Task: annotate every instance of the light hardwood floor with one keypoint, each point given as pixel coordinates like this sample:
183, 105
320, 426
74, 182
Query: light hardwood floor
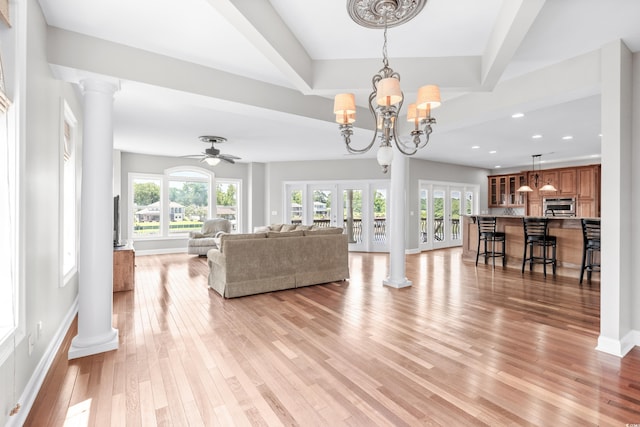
462, 346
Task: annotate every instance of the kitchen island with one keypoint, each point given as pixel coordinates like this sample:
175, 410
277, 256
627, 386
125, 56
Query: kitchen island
568, 231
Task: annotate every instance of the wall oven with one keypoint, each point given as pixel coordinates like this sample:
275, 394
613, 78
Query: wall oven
563, 207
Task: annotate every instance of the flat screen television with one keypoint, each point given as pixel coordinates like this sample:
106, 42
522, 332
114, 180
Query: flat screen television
117, 237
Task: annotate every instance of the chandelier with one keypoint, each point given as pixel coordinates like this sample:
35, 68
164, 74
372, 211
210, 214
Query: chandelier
387, 98
536, 178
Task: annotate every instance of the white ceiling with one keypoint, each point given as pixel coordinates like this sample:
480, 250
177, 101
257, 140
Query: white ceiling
302, 53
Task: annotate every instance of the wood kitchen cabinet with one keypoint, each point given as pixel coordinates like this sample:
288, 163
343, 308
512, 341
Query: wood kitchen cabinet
567, 182
588, 194
502, 190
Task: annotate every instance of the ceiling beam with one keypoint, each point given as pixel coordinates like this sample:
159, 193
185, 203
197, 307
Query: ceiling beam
514, 22
258, 21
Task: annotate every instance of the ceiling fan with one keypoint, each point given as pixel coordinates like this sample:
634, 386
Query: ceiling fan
212, 156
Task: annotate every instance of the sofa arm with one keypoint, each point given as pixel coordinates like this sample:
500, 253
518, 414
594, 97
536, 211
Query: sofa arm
195, 235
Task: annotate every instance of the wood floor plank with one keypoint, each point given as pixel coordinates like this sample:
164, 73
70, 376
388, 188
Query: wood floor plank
461, 346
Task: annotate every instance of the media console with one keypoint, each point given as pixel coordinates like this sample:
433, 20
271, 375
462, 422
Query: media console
124, 262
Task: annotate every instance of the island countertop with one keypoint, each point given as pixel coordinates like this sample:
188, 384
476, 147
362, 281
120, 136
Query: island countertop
568, 231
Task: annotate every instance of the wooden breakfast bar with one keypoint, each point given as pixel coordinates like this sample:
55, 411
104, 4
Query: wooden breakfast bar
568, 231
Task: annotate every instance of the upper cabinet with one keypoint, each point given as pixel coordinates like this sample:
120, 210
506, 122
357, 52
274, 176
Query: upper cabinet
582, 183
502, 190
567, 183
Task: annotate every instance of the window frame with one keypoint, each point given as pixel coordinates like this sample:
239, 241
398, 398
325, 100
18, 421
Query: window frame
238, 183
67, 116
164, 178
169, 175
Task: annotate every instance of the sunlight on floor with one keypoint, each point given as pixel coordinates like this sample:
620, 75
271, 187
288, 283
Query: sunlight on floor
78, 414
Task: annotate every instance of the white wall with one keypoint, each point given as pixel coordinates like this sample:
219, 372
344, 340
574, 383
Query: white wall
45, 300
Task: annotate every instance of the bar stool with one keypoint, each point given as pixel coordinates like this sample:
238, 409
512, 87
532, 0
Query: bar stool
487, 233
591, 244
536, 236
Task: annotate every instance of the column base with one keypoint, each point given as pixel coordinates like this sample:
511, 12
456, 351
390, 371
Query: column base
83, 347
404, 283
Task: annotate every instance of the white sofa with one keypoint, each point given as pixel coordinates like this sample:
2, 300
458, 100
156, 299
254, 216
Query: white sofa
201, 241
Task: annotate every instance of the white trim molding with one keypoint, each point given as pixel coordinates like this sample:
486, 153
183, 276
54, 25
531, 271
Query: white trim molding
35, 382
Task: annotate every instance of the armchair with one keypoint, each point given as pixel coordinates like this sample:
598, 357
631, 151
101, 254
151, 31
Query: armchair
201, 241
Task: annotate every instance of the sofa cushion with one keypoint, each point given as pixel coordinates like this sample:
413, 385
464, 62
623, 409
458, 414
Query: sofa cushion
304, 227
276, 234
323, 231
275, 227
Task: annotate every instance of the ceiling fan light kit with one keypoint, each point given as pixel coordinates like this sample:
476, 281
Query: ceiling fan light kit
212, 156
385, 102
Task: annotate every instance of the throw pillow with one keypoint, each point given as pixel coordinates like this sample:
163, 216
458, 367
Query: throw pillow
323, 231
275, 227
295, 233
304, 227
261, 229
288, 227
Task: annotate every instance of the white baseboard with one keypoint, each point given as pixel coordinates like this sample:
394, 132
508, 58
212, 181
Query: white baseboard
412, 251
619, 347
161, 251
32, 388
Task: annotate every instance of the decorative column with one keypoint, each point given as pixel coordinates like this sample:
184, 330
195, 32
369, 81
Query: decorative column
397, 255
95, 268
619, 221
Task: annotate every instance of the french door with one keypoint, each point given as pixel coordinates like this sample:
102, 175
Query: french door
441, 208
360, 207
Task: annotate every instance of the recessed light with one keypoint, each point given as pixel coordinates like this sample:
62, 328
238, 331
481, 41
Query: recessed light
475, 147
568, 137
497, 167
537, 136
492, 152
517, 115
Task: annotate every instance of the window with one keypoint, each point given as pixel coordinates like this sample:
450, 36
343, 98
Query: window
145, 206
227, 196
178, 201
68, 196
9, 283
188, 201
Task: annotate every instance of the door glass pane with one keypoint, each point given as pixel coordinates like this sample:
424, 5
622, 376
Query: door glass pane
438, 215
455, 214
322, 208
468, 203
380, 216
295, 214
352, 215
424, 206
146, 207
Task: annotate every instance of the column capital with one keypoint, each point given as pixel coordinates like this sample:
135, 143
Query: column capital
106, 86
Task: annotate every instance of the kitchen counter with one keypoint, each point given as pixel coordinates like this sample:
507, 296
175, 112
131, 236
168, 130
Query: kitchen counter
568, 231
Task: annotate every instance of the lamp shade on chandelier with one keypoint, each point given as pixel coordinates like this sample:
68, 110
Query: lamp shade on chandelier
385, 102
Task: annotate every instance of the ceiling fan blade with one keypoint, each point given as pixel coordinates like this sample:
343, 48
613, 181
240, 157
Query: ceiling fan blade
227, 159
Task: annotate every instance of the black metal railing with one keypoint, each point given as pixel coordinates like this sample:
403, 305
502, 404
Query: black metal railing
379, 228
439, 229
